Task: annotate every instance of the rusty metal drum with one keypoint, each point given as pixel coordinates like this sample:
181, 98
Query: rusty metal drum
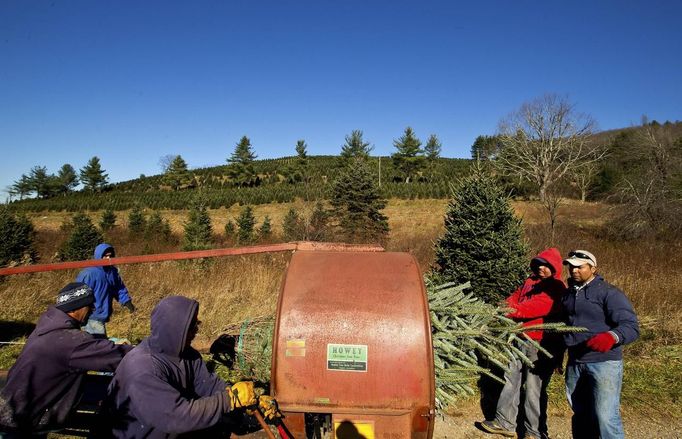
352, 347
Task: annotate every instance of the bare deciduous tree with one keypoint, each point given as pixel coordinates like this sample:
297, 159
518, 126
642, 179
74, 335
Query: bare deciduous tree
651, 200
544, 140
583, 177
165, 162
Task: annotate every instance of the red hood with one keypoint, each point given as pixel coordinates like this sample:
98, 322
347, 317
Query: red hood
552, 256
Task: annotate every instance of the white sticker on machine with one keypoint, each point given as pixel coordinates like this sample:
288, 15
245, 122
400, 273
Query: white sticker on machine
347, 357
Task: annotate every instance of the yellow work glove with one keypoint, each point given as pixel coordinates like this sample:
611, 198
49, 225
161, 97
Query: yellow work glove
268, 406
242, 394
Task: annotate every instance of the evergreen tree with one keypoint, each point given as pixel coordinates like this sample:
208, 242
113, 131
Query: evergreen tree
108, 220
298, 171
16, 238
83, 239
355, 147
22, 187
157, 228
177, 175
483, 240
356, 204
198, 230
136, 220
240, 168
486, 147
67, 179
432, 148
230, 229
318, 226
42, 183
265, 230
93, 176
246, 222
292, 226
408, 160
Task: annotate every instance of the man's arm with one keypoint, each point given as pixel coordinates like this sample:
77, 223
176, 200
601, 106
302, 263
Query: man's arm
621, 315
205, 382
97, 354
122, 294
162, 406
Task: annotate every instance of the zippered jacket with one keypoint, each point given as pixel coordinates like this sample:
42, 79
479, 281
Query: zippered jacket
538, 300
107, 285
599, 307
162, 388
44, 383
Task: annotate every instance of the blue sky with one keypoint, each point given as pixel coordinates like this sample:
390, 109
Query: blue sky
131, 81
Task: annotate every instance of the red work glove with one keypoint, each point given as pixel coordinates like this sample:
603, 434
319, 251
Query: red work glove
601, 342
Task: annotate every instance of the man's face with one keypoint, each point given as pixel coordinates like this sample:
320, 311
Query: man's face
108, 254
544, 272
581, 273
192, 332
82, 314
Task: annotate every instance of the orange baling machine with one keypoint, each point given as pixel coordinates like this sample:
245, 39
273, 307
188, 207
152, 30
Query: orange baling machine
352, 353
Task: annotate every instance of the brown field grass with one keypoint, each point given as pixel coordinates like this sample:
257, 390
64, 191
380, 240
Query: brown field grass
646, 271
235, 288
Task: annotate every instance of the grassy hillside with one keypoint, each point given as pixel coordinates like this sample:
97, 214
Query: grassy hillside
273, 187
232, 289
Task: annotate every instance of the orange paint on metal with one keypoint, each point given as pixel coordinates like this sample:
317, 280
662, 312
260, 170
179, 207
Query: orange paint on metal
368, 352
198, 254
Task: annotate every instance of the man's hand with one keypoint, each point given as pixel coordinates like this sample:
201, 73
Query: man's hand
129, 306
601, 342
242, 394
268, 406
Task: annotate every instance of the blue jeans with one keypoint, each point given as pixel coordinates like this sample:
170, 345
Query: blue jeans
96, 328
536, 380
593, 391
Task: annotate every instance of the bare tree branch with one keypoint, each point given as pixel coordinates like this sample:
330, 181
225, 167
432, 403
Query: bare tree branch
544, 140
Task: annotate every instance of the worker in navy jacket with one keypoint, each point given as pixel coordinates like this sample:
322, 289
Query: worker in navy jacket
163, 389
594, 372
44, 384
536, 300
107, 285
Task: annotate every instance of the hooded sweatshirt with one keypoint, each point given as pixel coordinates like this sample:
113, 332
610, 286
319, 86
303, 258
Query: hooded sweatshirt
162, 388
106, 284
44, 383
538, 298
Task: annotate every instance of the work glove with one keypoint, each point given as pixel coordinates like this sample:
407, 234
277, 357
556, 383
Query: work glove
117, 340
129, 306
268, 406
242, 394
602, 342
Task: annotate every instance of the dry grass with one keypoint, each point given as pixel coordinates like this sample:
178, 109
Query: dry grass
646, 271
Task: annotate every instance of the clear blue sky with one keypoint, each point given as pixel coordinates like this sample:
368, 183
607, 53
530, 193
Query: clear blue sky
131, 81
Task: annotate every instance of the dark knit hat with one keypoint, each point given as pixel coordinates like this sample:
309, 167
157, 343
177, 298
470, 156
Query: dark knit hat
536, 262
75, 295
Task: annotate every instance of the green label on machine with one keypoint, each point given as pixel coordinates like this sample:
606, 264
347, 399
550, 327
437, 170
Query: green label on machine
350, 357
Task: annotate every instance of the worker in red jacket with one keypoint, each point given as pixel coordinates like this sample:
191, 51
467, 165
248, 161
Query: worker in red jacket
538, 299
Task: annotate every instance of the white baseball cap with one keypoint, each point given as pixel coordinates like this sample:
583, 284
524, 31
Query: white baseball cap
580, 257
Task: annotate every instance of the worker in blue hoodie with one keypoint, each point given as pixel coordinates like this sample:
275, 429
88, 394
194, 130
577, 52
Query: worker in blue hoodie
107, 285
162, 388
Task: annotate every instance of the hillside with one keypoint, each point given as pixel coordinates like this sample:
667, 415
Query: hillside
272, 186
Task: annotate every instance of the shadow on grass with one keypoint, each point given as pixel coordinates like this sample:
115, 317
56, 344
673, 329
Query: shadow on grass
11, 330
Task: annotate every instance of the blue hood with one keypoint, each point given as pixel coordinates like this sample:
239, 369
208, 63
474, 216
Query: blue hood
171, 319
101, 248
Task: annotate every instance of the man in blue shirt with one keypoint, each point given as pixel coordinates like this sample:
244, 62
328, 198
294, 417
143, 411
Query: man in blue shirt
107, 285
594, 373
